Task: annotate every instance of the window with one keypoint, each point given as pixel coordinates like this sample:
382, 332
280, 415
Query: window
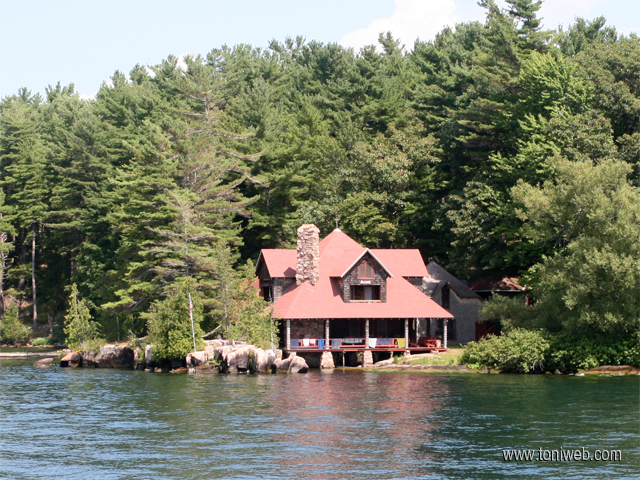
365, 270
365, 292
445, 296
267, 293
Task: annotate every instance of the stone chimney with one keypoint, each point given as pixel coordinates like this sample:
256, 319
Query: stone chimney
308, 249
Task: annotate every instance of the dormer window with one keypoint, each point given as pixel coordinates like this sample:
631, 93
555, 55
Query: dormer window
365, 270
365, 293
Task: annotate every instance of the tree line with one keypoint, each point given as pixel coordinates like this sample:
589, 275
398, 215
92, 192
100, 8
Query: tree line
497, 148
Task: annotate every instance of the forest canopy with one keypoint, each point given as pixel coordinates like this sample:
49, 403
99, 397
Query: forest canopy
497, 148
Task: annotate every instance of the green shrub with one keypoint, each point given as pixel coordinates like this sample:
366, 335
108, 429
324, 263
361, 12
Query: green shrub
170, 325
40, 341
569, 353
519, 350
522, 350
78, 327
12, 330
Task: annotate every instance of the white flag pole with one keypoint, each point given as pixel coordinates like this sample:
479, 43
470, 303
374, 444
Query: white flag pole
193, 330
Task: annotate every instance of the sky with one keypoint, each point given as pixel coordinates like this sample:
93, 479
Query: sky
43, 42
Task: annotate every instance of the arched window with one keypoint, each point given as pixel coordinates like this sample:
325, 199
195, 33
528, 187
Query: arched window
365, 270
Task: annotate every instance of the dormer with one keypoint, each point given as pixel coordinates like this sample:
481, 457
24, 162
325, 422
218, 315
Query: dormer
364, 280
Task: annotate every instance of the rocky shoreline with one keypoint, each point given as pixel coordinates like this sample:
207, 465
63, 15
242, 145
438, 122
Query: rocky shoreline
218, 356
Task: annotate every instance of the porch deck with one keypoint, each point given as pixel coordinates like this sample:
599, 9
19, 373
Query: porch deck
349, 348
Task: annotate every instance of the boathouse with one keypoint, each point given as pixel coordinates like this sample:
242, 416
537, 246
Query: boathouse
337, 296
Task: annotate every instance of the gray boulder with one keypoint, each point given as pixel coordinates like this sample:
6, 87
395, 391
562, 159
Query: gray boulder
45, 362
115, 356
291, 364
196, 359
73, 359
260, 360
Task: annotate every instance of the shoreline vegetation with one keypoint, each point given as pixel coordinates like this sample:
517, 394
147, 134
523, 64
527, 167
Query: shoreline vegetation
497, 149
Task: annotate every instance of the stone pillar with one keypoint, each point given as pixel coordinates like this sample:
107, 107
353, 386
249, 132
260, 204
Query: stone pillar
367, 358
287, 336
308, 254
366, 334
406, 332
444, 334
326, 361
327, 338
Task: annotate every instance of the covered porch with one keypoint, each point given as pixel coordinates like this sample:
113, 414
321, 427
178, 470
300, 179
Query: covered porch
417, 335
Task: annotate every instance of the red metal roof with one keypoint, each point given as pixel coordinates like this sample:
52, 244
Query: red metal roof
280, 263
323, 300
406, 263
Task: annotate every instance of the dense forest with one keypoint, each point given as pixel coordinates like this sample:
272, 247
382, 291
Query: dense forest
497, 148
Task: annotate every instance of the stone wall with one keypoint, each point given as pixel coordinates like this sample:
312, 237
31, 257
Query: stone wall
308, 254
312, 328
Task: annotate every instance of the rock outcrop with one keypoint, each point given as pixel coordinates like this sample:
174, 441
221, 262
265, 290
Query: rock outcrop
260, 360
244, 358
109, 356
73, 359
45, 362
196, 359
291, 364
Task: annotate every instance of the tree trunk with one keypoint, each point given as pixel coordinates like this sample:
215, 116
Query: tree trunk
33, 276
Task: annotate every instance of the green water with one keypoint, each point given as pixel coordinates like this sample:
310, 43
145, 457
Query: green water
107, 424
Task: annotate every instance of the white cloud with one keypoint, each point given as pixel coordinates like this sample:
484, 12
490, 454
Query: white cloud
84, 96
181, 64
410, 20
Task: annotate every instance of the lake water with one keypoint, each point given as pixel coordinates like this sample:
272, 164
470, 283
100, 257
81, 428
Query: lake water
107, 424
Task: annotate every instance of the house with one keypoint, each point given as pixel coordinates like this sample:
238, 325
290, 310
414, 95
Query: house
505, 286
456, 297
336, 297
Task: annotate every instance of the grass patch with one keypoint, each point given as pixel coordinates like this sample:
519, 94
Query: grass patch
449, 358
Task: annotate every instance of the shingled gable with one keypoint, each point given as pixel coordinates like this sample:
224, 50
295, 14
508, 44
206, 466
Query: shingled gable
339, 252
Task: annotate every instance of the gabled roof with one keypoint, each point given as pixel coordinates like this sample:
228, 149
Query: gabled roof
279, 262
497, 284
323, 300
404, 262
339, 252
348, 259
439, 277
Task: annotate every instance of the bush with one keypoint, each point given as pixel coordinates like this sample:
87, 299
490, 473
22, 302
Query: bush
12, 330
570, 353
519, 350
41, 341
78, 327
170, 325
538, 350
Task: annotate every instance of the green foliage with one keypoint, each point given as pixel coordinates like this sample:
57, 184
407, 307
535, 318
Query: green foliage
41, 341
495, 149
12, 330
525, 351
591, 214
169, 323
569, 352
250, 316
519, 350
79, 329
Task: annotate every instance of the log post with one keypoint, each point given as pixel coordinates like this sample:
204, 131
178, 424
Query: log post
406, 332
366, 333
287, 341
327, 340
444, 334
